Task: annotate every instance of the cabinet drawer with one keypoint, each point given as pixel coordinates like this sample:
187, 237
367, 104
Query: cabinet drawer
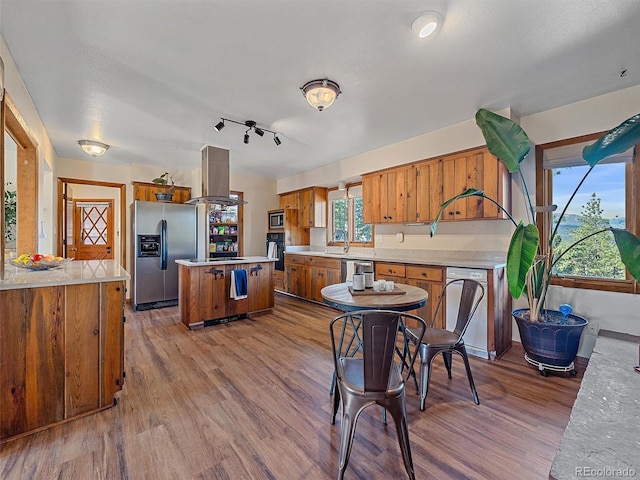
313, 261
432, 274
390, 269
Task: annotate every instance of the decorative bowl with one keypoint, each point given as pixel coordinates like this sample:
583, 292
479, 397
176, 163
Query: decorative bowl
40, 265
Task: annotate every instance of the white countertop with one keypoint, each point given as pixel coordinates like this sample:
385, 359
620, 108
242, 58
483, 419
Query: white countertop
480, 260
205, 262
76, 272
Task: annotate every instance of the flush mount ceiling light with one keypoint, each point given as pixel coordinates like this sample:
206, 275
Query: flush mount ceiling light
426, 24
321, 93
251, 125
93, 148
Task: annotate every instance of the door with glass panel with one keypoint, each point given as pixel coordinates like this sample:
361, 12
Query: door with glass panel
93, 229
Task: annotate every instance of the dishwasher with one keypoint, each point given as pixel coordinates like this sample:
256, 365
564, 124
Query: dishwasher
475, 338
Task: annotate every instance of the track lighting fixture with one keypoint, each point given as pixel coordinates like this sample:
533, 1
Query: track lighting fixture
251, 125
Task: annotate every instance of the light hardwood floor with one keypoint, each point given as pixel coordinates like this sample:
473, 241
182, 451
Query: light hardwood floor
250, 400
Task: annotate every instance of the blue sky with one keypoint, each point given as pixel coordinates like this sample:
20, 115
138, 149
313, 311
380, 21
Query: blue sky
606, 181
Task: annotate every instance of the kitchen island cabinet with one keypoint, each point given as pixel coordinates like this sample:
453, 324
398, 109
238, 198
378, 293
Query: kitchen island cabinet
204, 289
61, 344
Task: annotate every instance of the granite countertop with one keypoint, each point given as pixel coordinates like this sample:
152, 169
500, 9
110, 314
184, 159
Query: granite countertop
75, 272
203, 262
601, 439
483, 260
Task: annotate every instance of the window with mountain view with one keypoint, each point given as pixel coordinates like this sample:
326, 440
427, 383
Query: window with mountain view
599, 204
604, 200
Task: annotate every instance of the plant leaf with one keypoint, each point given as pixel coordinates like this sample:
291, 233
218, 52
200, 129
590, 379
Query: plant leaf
616, 140
521, 255
505, 138
629, 248
469, 192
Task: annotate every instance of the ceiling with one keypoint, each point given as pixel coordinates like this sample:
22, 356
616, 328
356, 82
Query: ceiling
152, 78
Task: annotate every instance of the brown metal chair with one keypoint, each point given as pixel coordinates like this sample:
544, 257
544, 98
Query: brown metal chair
373, 359
440, 340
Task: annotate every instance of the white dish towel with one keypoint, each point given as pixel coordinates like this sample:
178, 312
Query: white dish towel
351, 268
271, 251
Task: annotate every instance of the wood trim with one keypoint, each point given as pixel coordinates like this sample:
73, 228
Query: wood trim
96, 183
27, 177
2, 106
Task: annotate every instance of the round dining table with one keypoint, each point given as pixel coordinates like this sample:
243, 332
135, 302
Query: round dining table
339, 296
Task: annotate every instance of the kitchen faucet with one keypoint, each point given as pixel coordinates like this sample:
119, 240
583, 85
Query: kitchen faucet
345, 249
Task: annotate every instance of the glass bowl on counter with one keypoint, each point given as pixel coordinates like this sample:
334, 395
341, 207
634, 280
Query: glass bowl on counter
43, 264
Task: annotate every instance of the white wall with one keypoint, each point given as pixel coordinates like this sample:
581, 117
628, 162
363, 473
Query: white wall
611, 311
16, 90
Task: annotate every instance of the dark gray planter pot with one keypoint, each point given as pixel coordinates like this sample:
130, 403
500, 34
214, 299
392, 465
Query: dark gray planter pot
164, 197
550, 341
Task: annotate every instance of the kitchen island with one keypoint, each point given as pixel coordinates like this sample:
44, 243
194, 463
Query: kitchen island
204, 287
61, 343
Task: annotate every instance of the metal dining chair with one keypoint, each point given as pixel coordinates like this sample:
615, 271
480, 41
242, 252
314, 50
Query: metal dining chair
447, 342
373, 358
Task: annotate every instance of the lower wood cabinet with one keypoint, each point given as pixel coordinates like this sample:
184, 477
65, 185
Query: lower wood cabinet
204, 292
61, 353
307, 275
429, 278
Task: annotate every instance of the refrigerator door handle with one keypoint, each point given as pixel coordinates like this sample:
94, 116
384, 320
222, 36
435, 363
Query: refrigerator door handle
163, 245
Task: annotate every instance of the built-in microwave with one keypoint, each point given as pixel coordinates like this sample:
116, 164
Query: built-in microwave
276, 219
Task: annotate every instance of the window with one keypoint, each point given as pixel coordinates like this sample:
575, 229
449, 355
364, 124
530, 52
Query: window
345, 218
603, 200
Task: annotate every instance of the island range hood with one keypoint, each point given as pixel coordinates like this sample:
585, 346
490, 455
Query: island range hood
215, 178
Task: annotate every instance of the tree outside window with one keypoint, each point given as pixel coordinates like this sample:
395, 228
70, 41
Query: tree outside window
346, 219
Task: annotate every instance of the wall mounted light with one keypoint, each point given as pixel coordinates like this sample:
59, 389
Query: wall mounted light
426, 24
341, 185
93, 148
251, 125
321, 93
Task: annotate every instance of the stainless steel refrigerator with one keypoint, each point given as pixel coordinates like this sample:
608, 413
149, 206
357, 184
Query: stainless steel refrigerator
162, 233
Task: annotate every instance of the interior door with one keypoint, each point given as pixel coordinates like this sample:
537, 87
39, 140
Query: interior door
93, 230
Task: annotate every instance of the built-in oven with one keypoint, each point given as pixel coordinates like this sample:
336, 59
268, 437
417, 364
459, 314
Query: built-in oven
275, 249
276, 219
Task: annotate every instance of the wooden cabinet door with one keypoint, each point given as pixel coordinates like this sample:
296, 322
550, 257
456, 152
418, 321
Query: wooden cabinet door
82, 348
289, 200
434, 289
428, 187
296, 280
317, 281
394, 196
260, 286
111, 339
32, 377
371, 199
214, 293
235, 306
305, 208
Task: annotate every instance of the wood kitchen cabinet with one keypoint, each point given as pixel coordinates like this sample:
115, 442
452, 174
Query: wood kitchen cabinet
146, 191
307, 275
311, 204
414, 193
441, 179
61, 353
204, 292
429, 278
387, 196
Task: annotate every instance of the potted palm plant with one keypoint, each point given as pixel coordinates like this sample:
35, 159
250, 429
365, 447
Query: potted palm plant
548, 337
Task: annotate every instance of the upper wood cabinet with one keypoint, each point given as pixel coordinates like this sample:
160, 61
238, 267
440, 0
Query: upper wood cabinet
146, 191
387, 196
414, 193
289, 201
311, 204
